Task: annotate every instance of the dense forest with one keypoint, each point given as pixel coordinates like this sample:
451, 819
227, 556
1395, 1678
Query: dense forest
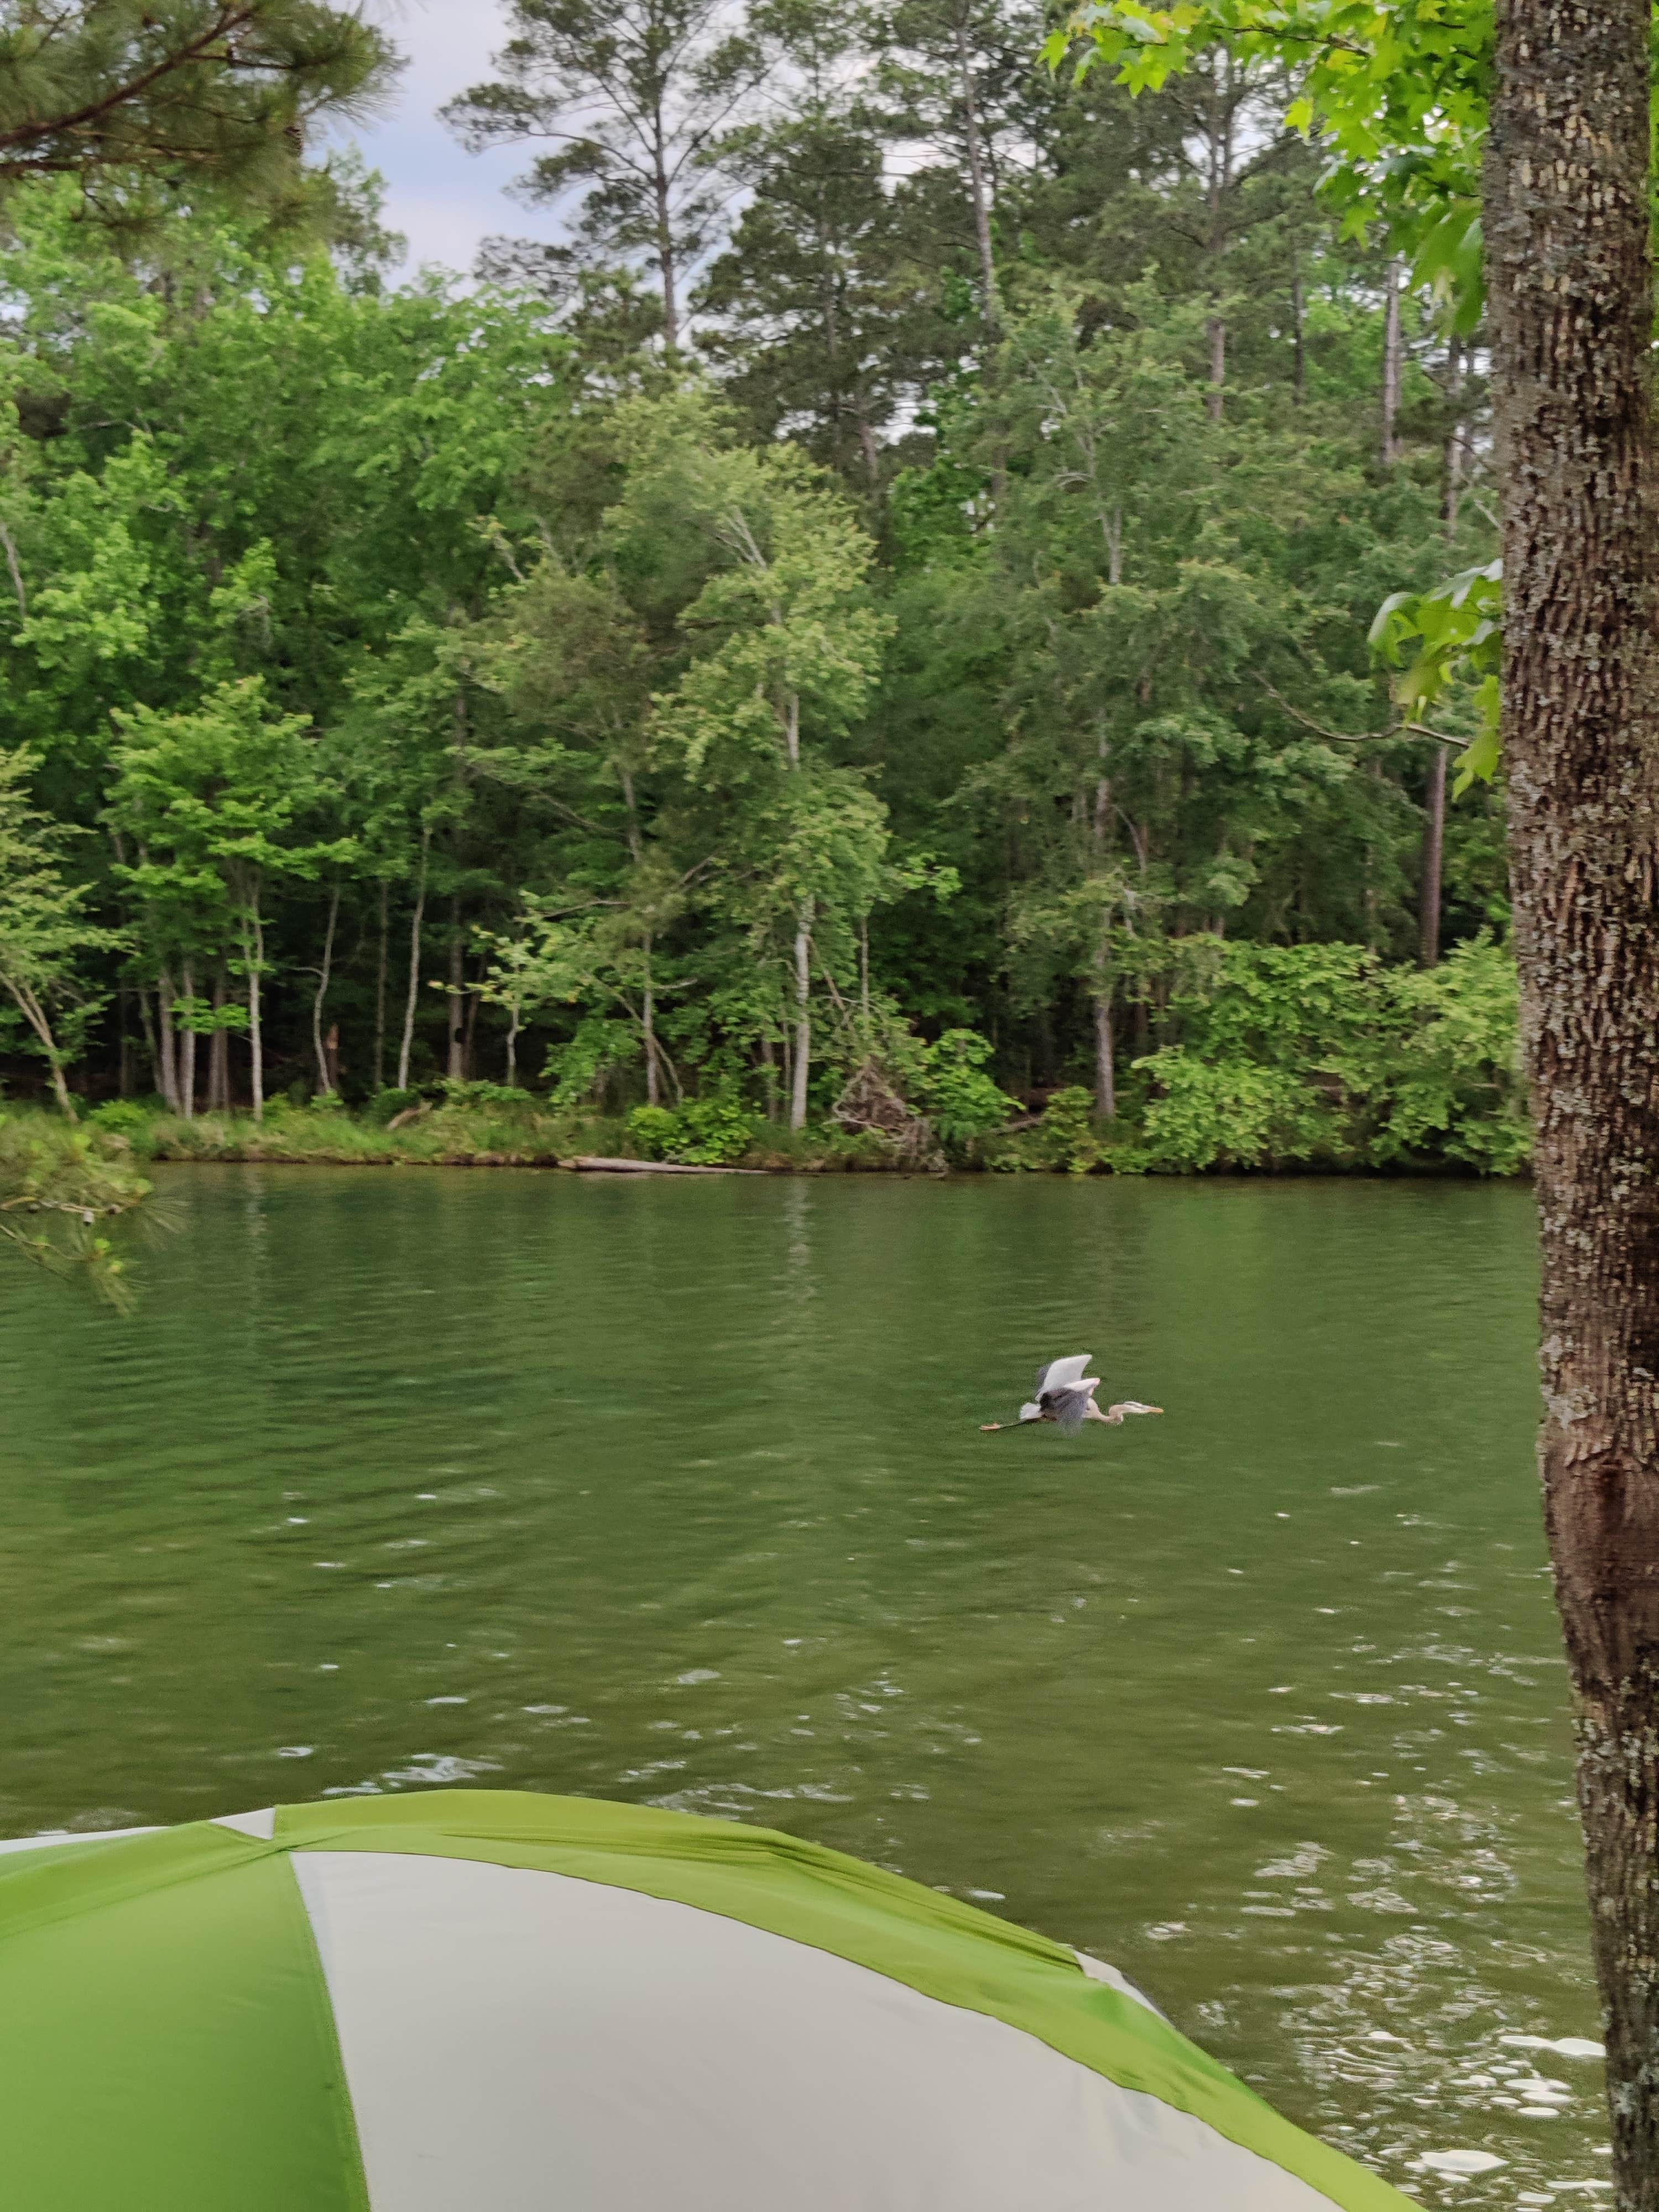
876, 625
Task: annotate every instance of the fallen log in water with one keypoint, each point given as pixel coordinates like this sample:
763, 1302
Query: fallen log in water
592, 1166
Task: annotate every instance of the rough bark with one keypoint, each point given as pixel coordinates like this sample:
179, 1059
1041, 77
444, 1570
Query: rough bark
1567, 231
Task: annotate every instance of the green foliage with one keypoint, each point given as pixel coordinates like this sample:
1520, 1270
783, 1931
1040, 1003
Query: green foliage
130, 97
466, 1095
66, 1196
1321, 1055
386, 1105
653, 1129
127, 1119
711, 1131
1451, 635
1066, 1141
956, 1095
960, 659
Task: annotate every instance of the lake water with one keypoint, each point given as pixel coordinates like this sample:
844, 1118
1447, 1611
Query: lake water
673, 1491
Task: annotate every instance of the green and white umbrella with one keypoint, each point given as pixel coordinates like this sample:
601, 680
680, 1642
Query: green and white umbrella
481, 2001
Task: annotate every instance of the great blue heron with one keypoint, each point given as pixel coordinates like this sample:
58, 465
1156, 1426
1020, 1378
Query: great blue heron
1066, 1395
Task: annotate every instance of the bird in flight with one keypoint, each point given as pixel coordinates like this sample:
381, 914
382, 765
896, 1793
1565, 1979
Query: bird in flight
1066, 1395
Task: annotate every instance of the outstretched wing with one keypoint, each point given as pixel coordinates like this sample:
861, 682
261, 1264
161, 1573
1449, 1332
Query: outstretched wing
1062, 1374
1071, 1407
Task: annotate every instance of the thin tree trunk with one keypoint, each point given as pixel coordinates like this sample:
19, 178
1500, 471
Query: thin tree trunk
455, 1064
1299, 338
1434, 841
803, 1056
979, 182
1215, 403
408, 1040
513, 1044
35, 1015
469, 1035
1219, 182
166, 1058
379, 986
151, 1046
648, 1023
665, 255
1105, 1058
123, 1078
871, 451
218, 1098
1452, 482
1430, 897
1393, 362
187, 1046
255, 942
325, 1077
1567, 231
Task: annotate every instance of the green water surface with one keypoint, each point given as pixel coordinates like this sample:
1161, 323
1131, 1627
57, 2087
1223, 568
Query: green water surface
673, 1490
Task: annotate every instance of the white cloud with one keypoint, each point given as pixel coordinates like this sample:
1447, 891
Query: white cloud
443, 199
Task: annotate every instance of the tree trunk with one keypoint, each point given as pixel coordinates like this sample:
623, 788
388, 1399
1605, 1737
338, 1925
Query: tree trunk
803, 1055
671, 305
166, 1058
35, 1014
407, 1041
325, 1077
218, 1098
1215, 405
1394, 363
455, 1063
1299, 340
1452, 482
648, 1023
187, 1046
1105, 1057
1434, 842
513, 1044
979, 181
1567, 221
150, 1045
379, 987
254, 942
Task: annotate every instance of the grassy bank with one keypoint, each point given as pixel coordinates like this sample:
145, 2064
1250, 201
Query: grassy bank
489, 1132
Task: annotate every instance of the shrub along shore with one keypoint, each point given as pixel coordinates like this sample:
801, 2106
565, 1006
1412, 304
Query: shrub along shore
1316, 1058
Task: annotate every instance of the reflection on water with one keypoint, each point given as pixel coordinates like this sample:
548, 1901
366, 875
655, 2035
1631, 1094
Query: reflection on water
674, 1490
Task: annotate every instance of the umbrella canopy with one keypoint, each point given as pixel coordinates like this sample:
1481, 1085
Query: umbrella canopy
475, 2001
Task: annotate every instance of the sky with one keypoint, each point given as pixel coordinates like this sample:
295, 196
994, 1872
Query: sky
443, 200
